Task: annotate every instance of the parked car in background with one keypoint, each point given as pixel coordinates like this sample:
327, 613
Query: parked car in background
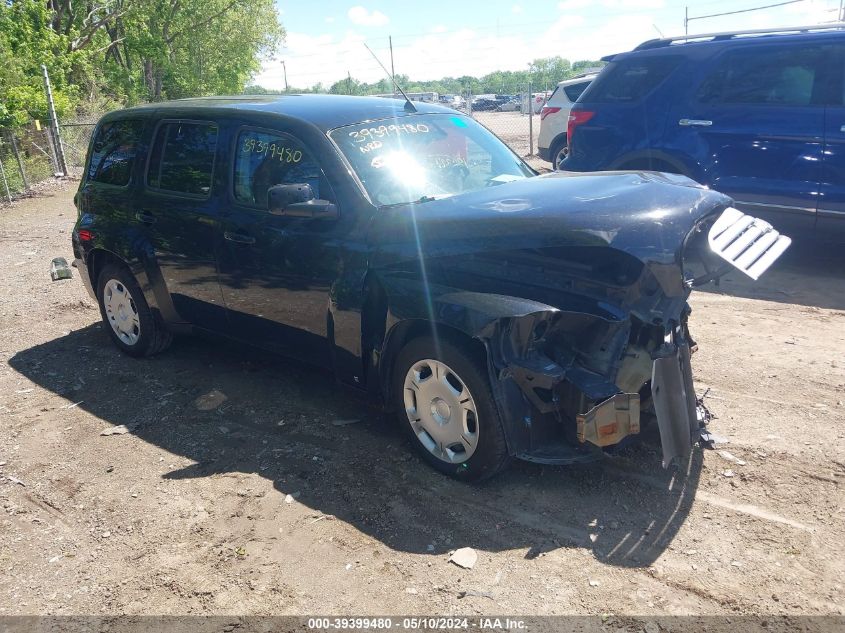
409, 251
453, 101
534, 102
757, 115
554, 116
508, 103
485, 104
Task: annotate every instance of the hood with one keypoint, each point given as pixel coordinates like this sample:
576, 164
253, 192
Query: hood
645, 215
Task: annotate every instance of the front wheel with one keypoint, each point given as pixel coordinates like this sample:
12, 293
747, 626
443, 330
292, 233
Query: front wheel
446, 407
130, 322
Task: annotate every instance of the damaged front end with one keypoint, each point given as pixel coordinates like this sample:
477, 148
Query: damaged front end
577, 285
581, 381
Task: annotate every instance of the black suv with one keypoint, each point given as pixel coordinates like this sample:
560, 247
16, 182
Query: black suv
409, 250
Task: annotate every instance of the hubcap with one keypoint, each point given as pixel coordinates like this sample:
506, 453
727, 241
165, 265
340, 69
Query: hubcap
441, 411
121, 312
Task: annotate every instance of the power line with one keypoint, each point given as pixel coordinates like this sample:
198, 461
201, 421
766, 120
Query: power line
688, 19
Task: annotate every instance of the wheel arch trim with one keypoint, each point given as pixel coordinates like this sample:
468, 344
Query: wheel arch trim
658, 155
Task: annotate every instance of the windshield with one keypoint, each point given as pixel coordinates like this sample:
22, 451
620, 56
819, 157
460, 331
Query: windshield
427, 156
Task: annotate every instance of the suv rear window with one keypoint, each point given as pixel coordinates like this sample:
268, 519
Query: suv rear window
774, 76
113, 152
182, 159
631, 79
574, 91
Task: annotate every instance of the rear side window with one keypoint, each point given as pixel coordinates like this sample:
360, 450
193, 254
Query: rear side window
773, 76
265, 159
182, 158
574, 91
631, 79
113, 152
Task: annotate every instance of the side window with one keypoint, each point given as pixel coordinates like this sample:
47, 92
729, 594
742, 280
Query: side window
182, 158
574, 91
264, 159
113, 152
631, 79
774, 76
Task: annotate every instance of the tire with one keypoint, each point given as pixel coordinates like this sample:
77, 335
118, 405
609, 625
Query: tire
557, 148
128, 319
470, 412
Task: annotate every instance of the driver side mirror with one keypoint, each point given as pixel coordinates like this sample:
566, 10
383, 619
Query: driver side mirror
298, 201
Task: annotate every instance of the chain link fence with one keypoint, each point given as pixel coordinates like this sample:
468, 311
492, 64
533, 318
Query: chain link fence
511, 114
28, 155
26, 159
76, 134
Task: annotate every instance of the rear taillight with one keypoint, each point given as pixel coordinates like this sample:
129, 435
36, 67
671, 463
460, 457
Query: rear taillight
547, 110
85, 235
576, 118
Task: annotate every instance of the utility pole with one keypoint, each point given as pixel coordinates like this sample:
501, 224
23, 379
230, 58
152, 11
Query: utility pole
842, 10
348, 82
686, 20
285, 69
392, 71
54, 124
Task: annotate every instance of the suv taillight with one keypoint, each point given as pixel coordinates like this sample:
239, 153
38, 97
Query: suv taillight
547, 110
576, 118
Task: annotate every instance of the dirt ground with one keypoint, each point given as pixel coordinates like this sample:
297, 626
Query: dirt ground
251, 485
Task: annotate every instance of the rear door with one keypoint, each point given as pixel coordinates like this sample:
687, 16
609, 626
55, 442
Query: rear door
108, 193
179, 211
755, 125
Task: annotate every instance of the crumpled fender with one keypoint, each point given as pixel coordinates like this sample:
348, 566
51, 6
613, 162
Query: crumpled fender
511, 329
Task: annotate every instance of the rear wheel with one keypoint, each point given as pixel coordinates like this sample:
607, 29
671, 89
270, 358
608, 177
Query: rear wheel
558, 153
130, 322
446, 407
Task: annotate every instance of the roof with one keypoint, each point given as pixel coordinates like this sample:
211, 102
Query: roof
773, 35
728, 35
324, 111
579, 78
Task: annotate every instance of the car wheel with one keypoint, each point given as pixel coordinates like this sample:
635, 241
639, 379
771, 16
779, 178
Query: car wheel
558, 154
446, 406
130, 322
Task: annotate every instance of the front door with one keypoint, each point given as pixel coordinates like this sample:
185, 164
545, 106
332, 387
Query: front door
830, 223
276, 272
756, 124
179, 210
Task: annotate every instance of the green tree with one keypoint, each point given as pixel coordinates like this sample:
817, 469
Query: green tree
124, 51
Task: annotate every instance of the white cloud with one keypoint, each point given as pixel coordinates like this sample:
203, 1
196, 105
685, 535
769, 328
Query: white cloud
516, 9
329, 19
360, 16
441, 52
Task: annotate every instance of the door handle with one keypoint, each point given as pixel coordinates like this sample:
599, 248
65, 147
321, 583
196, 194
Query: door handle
842, 129
695, 122
238, 238
145, 218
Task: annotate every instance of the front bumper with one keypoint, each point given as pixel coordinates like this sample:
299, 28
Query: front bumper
674, 398
586, 412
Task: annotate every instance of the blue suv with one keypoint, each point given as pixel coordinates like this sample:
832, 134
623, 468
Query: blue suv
757, 115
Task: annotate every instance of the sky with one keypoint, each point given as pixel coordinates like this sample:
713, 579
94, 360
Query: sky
438, 38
